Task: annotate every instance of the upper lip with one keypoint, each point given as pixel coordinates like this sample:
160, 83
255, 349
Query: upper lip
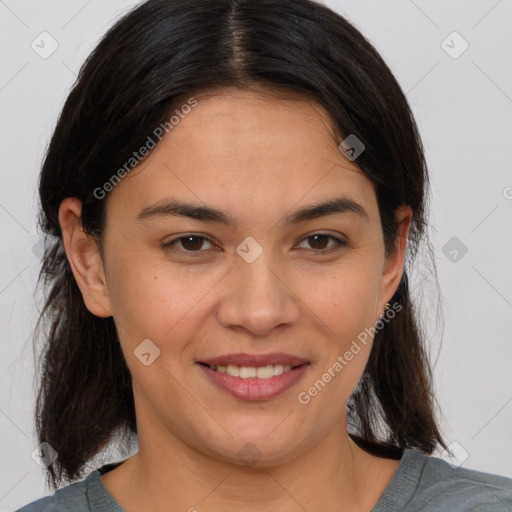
256, 360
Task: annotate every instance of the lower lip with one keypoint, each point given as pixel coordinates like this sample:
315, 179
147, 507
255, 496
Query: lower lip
253, 388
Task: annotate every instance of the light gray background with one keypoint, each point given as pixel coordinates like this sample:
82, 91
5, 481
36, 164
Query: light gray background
464, 110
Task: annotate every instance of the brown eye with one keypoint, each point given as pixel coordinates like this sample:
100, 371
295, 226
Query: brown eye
192, 243
319, 242
189, 243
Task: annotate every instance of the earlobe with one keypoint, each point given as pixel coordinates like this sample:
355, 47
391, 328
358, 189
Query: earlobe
394, 264
84, 258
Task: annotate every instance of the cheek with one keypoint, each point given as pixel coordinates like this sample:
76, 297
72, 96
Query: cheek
343, 303
151, 299
344, 297
345, 312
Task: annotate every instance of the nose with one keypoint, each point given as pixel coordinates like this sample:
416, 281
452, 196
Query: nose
257, 297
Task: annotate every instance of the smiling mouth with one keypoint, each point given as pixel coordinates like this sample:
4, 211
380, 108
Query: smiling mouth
252, 383
251, 372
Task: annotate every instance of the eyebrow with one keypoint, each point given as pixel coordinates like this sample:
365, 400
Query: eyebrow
172, 207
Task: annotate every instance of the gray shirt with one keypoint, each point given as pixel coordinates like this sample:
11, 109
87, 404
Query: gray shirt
421, 483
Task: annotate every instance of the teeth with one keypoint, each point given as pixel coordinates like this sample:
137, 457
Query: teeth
232, 370
246, 372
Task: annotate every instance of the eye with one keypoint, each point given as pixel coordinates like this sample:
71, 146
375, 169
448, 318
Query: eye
193, 243
318, 242
189, 242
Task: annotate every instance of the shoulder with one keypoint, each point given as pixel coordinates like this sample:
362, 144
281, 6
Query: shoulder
442, 486
71, 497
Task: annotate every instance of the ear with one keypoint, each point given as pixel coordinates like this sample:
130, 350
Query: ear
84, 258
394, 265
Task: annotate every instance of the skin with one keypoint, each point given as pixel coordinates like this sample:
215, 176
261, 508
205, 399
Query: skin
258, 158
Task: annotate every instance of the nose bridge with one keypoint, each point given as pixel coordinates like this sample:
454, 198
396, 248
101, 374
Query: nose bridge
257, 281
258, 299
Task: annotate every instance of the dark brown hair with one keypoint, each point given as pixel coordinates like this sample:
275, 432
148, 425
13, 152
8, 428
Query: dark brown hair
156, 54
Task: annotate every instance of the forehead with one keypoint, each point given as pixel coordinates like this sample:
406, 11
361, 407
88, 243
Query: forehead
248, 151
244, 123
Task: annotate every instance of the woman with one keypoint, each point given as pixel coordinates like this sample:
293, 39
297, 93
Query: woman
234, 194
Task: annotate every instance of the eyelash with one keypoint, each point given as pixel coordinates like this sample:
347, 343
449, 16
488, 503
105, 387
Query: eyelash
340, 243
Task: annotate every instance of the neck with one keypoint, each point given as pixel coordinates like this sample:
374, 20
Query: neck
335, 474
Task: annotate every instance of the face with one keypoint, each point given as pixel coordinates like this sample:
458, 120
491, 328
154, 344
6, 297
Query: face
249, 267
